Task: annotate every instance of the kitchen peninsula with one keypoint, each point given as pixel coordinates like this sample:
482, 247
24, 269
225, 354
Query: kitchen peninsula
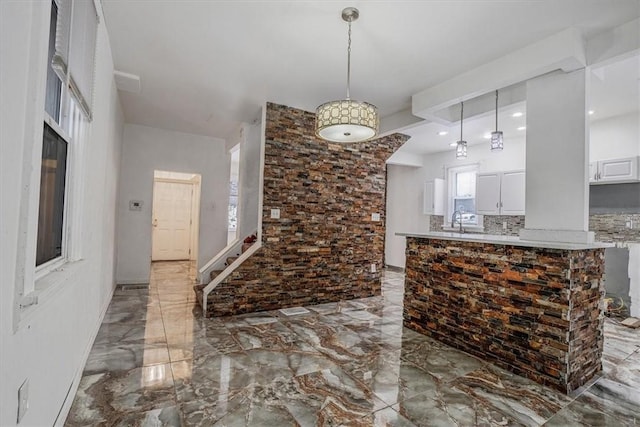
533, 308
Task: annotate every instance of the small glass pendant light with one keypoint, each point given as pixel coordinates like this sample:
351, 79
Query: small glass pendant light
497, 142
461, 145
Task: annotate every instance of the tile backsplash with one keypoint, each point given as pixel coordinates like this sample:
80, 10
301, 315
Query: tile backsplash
615, 227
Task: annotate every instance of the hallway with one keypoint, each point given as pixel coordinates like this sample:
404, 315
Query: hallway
157, 362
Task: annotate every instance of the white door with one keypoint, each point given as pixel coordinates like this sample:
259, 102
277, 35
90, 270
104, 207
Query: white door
171, 220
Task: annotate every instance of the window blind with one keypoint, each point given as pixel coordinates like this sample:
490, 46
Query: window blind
74, 58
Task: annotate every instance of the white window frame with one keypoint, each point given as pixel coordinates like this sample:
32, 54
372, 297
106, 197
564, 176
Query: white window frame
450, 173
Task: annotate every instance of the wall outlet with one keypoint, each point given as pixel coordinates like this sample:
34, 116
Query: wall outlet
135, 205
275, 213
504, 225
375, 217
373, 268
23, 399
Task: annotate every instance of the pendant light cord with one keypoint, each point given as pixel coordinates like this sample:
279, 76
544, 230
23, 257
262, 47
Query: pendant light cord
496, 111
349, 64
461, 117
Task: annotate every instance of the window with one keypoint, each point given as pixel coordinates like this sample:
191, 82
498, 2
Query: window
462, 195
68, 101
52, 191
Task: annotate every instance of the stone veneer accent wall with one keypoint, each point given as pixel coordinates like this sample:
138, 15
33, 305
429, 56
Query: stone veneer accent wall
321, 248
533, 311
612, 227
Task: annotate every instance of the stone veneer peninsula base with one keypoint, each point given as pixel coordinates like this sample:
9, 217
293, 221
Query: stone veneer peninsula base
535, 311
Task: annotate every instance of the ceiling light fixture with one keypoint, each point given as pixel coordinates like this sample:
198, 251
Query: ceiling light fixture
517, 114
461, 145
453, 144
522, 128
347, 120
591, 112
443, 133
497, 140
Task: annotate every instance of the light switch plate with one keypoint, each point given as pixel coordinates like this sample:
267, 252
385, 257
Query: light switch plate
275, 213
23, 400
375, 217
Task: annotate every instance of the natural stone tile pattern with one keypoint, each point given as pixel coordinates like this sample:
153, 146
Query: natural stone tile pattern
533, 311
612, 227
435, 222
494, 224
321, 248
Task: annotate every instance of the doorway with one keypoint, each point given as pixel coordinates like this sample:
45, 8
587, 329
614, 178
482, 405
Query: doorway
175, 216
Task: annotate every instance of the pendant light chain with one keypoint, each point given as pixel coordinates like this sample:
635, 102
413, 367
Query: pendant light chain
349, 64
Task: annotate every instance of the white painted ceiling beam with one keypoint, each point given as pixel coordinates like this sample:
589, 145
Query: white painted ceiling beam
615, 44
405, 158
562, 51
402, 120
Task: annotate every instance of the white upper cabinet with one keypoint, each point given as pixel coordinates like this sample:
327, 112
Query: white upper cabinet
500, 193
614, 171
512, 193
433, 202
488, 194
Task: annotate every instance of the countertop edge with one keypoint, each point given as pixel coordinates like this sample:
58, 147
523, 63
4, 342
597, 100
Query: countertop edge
506, 240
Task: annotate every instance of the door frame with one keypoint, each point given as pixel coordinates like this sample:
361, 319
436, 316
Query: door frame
195, 183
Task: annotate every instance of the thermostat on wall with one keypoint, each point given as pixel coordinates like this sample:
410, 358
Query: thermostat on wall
135, 205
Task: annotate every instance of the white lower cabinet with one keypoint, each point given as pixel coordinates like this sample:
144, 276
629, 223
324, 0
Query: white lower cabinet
500, 193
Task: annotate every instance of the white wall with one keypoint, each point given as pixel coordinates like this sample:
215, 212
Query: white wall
404, 210
147, 149
405, 187
50, 345
249, 179
615, 137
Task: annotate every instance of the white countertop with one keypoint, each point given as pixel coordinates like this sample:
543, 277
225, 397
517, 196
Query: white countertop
505, 240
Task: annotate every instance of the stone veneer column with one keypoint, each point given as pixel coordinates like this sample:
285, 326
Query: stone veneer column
557, 159
321, 248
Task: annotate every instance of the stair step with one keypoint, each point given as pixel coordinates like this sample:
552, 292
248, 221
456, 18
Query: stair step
214, 274
231, 259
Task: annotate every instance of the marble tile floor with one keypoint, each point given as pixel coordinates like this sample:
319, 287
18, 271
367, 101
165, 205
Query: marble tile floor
157, 362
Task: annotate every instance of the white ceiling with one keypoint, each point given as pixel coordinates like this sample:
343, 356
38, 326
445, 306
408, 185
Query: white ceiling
206, 66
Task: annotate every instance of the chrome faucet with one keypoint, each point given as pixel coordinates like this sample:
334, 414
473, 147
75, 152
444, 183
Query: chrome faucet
453, 220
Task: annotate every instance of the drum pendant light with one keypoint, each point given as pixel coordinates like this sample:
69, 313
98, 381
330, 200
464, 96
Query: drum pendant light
347, 120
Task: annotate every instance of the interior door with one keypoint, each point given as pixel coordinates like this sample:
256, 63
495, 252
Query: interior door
171, 234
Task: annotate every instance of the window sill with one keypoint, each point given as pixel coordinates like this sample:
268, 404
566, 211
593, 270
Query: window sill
45, 288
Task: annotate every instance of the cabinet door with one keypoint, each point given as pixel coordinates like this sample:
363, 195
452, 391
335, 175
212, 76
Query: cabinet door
512, 192
433, 202
618, 170
488, 194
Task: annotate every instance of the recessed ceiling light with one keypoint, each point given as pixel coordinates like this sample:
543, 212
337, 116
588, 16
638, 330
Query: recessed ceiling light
443, 133
487, 135
517, 114
591, 112
522, 128
453, 144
